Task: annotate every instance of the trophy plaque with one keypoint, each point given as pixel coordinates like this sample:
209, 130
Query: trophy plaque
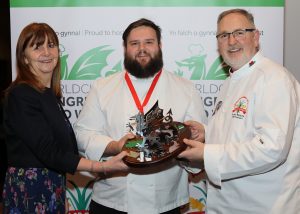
158, 138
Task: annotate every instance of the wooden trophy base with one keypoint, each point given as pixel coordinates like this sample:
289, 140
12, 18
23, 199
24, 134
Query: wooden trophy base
161, 144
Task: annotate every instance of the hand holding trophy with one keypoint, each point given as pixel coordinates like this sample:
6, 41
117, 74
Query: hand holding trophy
158, 138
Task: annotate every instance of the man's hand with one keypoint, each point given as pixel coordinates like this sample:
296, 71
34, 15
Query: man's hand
197, 129
193, 153
115, 147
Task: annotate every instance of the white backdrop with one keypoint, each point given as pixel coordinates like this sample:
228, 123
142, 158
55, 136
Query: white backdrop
90, 35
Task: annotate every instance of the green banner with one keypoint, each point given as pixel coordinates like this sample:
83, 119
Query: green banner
146, 3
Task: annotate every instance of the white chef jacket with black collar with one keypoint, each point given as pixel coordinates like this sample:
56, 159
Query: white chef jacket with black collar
103, 118
252, 156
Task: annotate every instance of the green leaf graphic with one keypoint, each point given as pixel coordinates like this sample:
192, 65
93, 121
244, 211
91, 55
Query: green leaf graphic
81, 201
90, 64
196, 64
64, 67
218, 70
178, 72
115, 69
201, 190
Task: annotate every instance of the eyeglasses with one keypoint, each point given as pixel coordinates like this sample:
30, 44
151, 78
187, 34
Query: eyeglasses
237, 34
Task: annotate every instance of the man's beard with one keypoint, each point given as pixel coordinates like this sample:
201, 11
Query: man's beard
149, 70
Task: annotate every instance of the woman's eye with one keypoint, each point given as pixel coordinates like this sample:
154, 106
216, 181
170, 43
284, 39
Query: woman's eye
51, 45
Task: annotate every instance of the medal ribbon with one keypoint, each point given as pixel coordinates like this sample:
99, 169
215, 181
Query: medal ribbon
148, 95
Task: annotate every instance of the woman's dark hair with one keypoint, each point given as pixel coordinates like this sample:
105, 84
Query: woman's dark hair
35, 34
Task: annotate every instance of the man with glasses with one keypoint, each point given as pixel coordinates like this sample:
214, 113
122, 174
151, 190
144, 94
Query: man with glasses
251, 153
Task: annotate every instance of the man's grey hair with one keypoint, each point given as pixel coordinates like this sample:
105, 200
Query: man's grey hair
243, 12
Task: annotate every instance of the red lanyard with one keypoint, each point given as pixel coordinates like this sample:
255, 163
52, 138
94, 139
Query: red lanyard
148, 95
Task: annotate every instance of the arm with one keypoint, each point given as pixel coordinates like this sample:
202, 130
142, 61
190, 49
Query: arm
26, 118
268, 142
195, 109
30, 130
194, 152
95, 125
92, 139
114, 164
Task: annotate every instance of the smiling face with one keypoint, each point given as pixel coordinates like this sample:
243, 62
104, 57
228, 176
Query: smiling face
143, 57
237, 52
41, 58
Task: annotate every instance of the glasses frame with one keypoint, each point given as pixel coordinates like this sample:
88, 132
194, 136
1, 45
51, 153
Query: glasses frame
233, 33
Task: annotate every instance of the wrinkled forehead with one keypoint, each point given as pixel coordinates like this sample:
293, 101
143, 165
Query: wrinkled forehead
232, 22
142, 33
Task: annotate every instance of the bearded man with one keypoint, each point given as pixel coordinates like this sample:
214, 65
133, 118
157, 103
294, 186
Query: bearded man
103, 123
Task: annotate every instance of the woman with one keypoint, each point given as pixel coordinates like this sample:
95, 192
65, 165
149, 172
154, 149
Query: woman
41, 145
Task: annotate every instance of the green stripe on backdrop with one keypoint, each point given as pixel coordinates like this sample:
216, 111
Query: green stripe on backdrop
145, 3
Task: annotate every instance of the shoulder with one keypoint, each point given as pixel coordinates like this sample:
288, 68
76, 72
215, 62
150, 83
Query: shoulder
27, 95
23, 91
111, 80
177, 84
270, 75
21, 97
178, 80
22, 88
273, 72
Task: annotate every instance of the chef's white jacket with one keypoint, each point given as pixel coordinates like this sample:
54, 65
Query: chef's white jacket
106, 112
252, 156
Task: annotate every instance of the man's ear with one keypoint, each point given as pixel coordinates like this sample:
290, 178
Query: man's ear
256, 38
